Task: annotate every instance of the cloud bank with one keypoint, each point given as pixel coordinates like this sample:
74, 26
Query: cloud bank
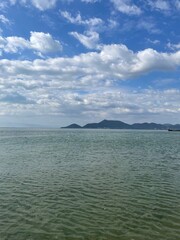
85, 85
114, 61
39, 42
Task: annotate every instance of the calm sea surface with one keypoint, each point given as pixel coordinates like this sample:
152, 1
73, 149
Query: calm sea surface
89, 184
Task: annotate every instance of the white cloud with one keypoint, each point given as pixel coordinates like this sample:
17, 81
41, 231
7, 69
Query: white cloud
126, 7
39, 42
112, 62
150, 60
44, 43
148, 25
4, 20
145, 105
89, 39
173, 46
44, 4
112, 24
91, 22
84, 86
39, 4
14, 44
160, 5
155, 42
3, 5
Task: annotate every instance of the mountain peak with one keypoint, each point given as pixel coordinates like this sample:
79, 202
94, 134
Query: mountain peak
74, 125
115, 124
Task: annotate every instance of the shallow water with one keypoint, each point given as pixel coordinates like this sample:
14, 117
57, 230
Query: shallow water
89, 184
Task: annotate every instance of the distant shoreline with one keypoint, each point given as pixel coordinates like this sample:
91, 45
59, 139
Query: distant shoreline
115, 124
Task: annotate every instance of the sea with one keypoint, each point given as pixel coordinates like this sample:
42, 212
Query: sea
65, 184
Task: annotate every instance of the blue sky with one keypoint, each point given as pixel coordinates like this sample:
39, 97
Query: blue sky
65, 61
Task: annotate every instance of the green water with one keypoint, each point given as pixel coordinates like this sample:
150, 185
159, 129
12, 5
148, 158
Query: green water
89, 184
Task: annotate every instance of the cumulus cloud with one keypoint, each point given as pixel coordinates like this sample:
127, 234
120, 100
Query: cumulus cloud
147, 104
84, 86
44, 42
13, 44
89, 39
126, 7
111, 62
119, 102
39, 42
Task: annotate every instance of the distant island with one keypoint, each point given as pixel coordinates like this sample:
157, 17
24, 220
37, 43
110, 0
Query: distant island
114, 124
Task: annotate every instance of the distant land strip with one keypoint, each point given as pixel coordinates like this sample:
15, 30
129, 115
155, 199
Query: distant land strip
114, 124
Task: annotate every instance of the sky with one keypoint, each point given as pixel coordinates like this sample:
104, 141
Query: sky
66, 61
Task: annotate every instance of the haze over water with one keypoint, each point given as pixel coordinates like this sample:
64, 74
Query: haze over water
89, 184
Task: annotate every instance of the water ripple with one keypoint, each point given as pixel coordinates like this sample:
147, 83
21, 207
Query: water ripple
89, 185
